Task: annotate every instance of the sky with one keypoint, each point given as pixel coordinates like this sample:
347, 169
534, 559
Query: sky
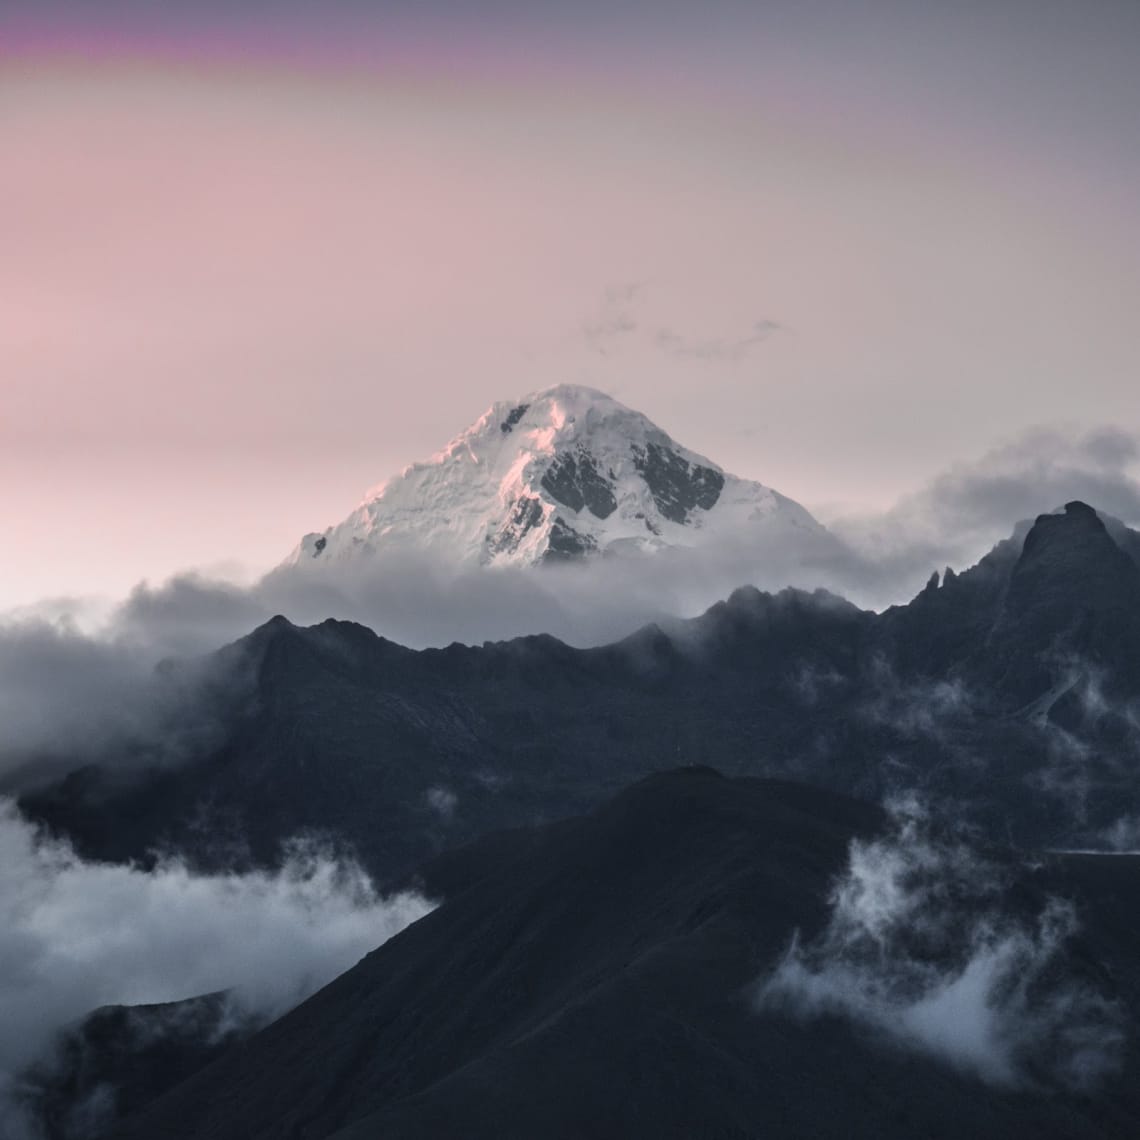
256, 257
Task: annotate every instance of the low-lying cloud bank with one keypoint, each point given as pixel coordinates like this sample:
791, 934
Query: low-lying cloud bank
925, 950
75, 936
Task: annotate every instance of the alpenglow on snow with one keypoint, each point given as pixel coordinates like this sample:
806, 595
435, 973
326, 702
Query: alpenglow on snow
562, 474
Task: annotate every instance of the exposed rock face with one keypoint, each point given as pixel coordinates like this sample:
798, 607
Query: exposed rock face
566, 544
677, 485
1070, 559
574, 481
1073, 603
513, 417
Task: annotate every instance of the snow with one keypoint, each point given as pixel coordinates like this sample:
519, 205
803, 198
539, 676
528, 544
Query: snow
460, 503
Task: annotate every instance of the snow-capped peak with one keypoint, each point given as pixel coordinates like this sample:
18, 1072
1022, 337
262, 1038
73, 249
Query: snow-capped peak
563, 473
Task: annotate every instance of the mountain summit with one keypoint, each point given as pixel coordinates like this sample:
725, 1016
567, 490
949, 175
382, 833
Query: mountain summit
561, 474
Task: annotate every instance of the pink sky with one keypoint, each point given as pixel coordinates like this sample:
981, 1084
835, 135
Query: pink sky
243, 281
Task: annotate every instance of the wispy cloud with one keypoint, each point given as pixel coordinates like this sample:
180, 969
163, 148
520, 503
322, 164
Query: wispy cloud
615, 318
715, 348
621, 318
926, 949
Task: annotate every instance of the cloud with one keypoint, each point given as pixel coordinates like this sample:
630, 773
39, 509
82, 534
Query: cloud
68, 698
926, 950
77, 935
915, 708
964, 511
614, 319
189, 609
1123, 835
443, 801
1085, 740
715, 348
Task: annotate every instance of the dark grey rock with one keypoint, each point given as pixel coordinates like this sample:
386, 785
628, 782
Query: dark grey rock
567, 544
574, 481
676, 485
513, 417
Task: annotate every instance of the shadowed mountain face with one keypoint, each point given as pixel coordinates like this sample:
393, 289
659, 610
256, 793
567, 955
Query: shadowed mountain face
121, 1057
1008, 694
1068, 589
606, 977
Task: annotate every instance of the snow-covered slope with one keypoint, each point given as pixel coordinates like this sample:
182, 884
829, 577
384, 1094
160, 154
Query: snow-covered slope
562, 474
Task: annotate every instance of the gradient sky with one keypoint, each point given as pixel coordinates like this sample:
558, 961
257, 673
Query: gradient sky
255, 257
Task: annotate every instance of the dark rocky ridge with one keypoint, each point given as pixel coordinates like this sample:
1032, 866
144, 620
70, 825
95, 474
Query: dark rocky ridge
984, 702
1073, 593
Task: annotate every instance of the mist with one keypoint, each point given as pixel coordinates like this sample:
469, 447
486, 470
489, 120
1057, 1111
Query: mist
929, 949
76, 935
68, 698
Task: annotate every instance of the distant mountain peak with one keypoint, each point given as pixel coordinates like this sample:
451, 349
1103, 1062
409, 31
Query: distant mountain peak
1072, 548
1072, 601
563, 473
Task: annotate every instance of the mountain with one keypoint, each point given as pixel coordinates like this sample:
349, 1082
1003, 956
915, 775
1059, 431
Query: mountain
119, 1058
1018, 716
1061, 599
603, 977
561, 474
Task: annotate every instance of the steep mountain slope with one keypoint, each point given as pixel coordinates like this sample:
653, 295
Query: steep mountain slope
563, 473
598, 978
1018, 715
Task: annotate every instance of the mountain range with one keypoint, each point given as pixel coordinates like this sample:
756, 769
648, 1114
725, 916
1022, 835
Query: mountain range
1007, 693
790, 867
